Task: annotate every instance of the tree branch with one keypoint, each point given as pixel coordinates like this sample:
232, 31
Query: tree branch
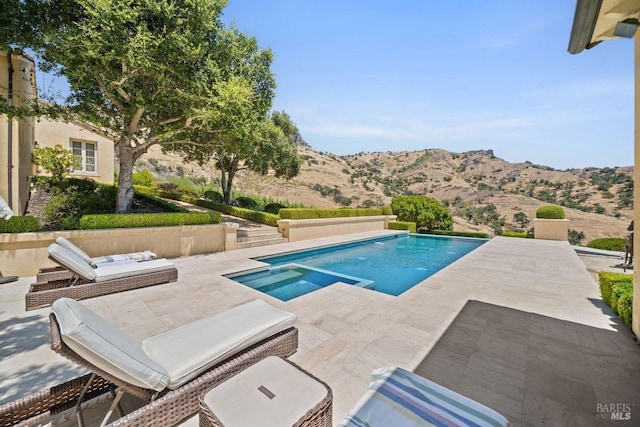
107, 92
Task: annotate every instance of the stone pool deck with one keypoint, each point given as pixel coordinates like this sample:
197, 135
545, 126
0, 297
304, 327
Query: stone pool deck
517, 324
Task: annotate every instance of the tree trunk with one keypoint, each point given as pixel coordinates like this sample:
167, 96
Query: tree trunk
228, 168
125, 194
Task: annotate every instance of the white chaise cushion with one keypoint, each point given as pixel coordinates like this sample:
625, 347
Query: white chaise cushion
107, 347
71, 261
191, 349
119, 270
66, 243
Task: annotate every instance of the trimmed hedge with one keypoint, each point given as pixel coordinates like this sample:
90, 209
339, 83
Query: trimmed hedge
617, 291
386, 210
251, 215
95, 222
273, 208
608, 244
454, 233
19, 224
521, 234
550, 212
291, 213
399, 225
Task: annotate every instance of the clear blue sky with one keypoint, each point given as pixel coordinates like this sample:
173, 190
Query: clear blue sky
382, 75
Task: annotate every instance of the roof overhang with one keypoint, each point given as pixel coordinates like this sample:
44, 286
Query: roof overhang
595, 21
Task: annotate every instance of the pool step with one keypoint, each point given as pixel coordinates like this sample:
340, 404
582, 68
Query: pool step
248, 238
270, 279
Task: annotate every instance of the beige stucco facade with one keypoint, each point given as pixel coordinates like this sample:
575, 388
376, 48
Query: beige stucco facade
49, 133
304, 229
22, 254
594, 22
17, 86
551, 229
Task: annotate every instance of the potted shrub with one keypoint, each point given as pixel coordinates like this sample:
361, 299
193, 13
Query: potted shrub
550, 223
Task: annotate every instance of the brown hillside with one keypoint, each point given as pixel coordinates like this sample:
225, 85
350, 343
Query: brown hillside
597, 201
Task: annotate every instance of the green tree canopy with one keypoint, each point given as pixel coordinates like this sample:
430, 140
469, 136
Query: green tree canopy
149, 72
424, 211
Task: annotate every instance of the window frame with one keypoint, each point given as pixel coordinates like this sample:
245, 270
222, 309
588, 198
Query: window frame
83, 156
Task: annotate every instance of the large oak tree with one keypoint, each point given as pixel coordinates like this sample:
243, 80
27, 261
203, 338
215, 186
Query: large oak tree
149, 72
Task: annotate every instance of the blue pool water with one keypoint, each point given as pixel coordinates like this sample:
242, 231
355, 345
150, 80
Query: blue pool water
390, 265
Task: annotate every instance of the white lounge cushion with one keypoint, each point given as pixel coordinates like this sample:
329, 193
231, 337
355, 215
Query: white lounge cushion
71, 261
191, 349
66, 243
118, 270
106, 346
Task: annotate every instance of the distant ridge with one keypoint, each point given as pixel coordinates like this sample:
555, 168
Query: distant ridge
482, 190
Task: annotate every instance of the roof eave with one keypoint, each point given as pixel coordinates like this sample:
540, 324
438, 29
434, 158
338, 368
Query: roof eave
584, 22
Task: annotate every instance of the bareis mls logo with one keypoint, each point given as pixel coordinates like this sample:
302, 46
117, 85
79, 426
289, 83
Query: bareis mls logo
613, 411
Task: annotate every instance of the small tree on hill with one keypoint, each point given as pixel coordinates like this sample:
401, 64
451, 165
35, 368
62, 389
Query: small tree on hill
521, 219
424, 211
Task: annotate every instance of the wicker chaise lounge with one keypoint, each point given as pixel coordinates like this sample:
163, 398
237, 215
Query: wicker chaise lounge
169, 370
49, 274
88, 282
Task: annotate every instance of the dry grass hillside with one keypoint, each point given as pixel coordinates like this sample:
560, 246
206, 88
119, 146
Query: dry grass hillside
481, 190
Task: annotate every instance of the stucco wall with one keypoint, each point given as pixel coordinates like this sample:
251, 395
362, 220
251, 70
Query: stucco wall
551, 229
304, 229
22, 254
49, 133
16, 136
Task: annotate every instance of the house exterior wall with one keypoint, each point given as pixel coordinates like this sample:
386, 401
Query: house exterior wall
636, 193
50, 133
16, 135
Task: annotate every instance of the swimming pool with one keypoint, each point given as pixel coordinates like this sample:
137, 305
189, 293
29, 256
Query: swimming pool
390, 265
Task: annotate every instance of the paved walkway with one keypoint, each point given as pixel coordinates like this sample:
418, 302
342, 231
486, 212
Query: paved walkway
346, 332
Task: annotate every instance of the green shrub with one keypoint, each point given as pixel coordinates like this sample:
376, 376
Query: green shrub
550, 212
617, 291
521, 234
167, 186
144, 177
64, 210
624, 295
424, 211
19, 224
92, 222
173, 195
399, 225
58, 161
145, 190
247, 202
273, 208
454, 233
214, 196
310, 213
251, 215
185, 186
386, 210
608, 244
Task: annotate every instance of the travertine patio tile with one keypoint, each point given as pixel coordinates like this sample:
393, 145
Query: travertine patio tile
346, 332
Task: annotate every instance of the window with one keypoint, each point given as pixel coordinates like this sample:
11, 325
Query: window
85, 153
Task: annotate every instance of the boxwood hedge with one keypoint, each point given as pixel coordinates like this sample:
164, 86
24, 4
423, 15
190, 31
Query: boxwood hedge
400, 225
93, 222
550, 212
291, 213
617, 291
19, 224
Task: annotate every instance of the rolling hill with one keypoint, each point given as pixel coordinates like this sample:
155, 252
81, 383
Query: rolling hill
481, 190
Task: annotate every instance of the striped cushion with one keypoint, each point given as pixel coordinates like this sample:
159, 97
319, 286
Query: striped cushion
401, 398
134, 256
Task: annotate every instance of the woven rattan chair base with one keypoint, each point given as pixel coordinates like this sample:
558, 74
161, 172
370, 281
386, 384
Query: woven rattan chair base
52, 274
44, 294
45, 404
